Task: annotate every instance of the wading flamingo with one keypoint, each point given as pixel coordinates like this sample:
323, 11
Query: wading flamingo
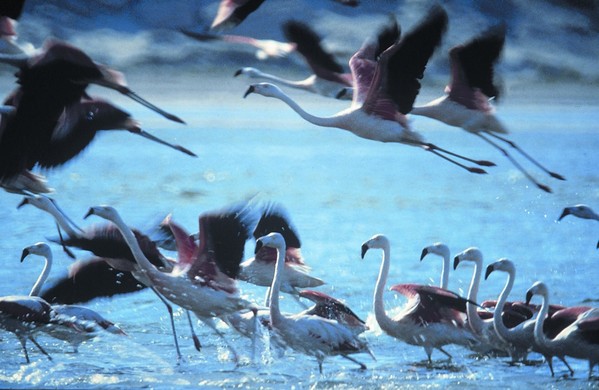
466, 103
196, 282
442, 250
385, 90
87, 323
308, 334
432, 318
579, 340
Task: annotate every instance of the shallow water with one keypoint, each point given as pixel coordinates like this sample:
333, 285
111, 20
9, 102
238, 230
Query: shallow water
340, 190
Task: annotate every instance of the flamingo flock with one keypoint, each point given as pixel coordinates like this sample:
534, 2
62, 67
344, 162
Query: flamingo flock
50, 119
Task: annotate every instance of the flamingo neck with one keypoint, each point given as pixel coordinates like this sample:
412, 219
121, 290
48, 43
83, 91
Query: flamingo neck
500, 327
275, 313
289, 83
378, 304
445, 272
35, 290
146, 266
63, 222
539, 335
473, 319
316, 120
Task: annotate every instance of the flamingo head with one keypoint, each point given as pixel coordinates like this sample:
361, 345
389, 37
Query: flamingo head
504, 265
378, 241
437, 248
471, 254
580, 211
40, 249
41, 202
106, 212
248, 71
271, 240
538, 288
264, 89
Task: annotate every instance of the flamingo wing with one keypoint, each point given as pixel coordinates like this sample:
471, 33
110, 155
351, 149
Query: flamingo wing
589, 329
307, 42
396, 84
25, 309
187, 249
472, 69
363, 62
328, 307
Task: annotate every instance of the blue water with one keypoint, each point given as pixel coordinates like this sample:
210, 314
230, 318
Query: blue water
340, 190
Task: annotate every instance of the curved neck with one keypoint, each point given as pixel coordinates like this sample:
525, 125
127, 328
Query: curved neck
143, 262
63, 221
275, 312
289, 83
318, 121
35, 290
539, 335
378, 304
473, 319
500, 327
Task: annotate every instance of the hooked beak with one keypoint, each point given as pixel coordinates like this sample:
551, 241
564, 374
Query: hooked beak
237, 72
490, 269
456, 261
424, 253
89, 212
364, 249
24, 254
250, 90
564, 213
259, 246
528, 296
23, 203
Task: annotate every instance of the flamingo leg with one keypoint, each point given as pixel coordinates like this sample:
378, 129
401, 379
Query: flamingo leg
445, 352
516, 164
169, 308
42, 350
527, 156
194, 336
64, 247
469, 169
23, 342
351, 359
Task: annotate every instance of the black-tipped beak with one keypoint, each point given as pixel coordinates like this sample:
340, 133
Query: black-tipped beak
342, 92
250, 90
237, 73
456, 261
89, 212
528, 297
259, 246
23, 203
24, 254
364, 249
424, 253
490, 269
564, 213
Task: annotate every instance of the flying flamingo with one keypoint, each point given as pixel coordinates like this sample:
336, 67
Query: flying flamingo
265, 47
579, 340
87, 322
328, 76
113, 271
385, 90
581, 211
196, 283
260, 269
442, 250
466, 103
232, 12
308, 334
432, 318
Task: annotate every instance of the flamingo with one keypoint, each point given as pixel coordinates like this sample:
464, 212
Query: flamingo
232, 12
466, 103
260, 269
326, 306
483, 327
114, 270
266, 48
87, 322
581, 211
384, 90
579, 340
442, 250
328, 77
521, 337
432, 318
196, 283
305, 333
